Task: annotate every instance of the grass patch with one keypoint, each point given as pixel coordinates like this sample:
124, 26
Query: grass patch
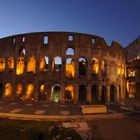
33, 130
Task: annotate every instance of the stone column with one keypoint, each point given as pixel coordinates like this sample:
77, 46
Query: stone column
62, 96
89, 93
89, 71
76, 95
108, 93
35, 92
76, 68
117, 94
63, 69
6, 64
99, 92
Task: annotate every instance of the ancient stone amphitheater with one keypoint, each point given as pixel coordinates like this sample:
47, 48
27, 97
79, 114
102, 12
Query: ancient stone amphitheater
61, 67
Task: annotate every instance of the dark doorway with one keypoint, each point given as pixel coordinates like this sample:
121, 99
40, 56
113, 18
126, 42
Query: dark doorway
103, 97
1, 89
94, 93
112, 93
82, 93
56, 93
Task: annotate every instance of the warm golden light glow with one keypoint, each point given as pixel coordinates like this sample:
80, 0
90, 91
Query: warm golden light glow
123, 69
29, 91
44, 61
95, 66
2, 64
131, 89
119, 69
8, 90
42, 64
31, 65
70, 71
19, 88
20, 66
70, 89
42, 88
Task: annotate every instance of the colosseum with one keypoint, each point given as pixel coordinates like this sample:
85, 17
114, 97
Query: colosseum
62, 67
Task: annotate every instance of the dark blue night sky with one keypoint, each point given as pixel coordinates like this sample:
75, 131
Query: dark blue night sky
117, 20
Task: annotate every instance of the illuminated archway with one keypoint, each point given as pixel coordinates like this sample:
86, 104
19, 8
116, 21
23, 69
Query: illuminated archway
8, 90
70, 71
19, 89
44, 62
20, 66
94, 66
82, 66
56, 95
31, 65
29, 92
11, 63
2, 64
104, 67
69, 93
42, 92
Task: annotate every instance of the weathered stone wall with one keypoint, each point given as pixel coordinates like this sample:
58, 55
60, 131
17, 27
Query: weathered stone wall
84, 45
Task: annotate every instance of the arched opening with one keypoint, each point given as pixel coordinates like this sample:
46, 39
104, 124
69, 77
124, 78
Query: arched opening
19, 89
123, 70
70, 51
57, 63
69, 93
31, 65
20, 66
29, 92
2, 64
103, 97
70, 71
8, 90
104, 68
94, 94
42, 92
94, 66
11, 64
82, 93
22, 51
119, 70
56, 94
1, 90
44, 64
113, 92
82, 66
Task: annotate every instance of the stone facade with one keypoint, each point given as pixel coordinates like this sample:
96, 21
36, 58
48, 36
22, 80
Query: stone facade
133, 69
61, 67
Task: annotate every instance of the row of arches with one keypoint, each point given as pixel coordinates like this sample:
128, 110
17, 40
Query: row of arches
7, 90
57, 65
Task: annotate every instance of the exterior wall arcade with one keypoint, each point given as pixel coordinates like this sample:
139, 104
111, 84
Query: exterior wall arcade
57, 45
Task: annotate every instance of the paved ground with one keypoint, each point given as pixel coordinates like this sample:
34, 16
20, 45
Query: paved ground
115, 129
51, 109
101, 129
39, 108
